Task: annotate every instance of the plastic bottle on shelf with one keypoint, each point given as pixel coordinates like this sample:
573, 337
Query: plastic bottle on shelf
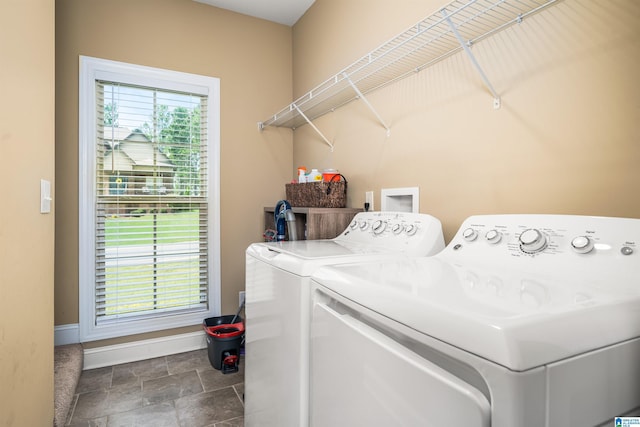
302, 174
314, 176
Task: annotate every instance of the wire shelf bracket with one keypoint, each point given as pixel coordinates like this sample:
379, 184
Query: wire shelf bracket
367, 103
293, 106
324, 138
467, 49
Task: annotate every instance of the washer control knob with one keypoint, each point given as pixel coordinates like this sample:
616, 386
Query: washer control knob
532, 241
396, 228
582, 244
411, 229
378, 226
493, 236
469, 234
364, 225
626, 250
353, 225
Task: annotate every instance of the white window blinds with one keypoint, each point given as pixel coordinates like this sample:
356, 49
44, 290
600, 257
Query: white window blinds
150, 215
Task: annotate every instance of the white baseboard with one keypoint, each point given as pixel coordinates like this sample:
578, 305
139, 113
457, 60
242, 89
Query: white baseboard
130, 352
66, 334
141, 350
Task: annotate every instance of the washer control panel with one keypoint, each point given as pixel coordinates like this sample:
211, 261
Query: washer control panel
584, 243
551, 234
411, 232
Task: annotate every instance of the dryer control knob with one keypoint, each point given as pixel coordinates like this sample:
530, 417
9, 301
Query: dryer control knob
532, 241
411, 229
493, 236
582, 244
469, 234
396, 228
378, 226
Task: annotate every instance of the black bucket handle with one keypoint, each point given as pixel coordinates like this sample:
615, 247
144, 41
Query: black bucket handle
339, 175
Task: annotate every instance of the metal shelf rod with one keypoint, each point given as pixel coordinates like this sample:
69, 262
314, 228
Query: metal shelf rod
467, 49
313, 126
367, 103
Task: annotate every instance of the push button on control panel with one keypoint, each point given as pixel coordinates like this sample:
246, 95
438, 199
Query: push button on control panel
626, 250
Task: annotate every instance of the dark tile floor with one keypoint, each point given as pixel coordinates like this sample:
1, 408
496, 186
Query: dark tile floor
181, 390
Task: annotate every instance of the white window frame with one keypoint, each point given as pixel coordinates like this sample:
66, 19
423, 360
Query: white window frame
92, 69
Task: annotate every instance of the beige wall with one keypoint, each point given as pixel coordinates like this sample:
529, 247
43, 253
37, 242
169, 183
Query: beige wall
26, 235
251, 57
565, 140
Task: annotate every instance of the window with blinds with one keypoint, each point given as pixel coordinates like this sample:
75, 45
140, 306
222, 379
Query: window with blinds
151, 208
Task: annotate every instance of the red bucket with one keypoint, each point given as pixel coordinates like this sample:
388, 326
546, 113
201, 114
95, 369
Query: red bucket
329, 175
225, 330
224, 341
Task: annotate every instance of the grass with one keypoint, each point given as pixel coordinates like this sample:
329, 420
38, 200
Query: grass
131, 288
171, 228
138, 288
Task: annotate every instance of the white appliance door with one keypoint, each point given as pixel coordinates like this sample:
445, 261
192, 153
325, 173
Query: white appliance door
276, 346
362, 377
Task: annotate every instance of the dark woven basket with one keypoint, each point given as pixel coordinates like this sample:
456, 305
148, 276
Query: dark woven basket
318, 194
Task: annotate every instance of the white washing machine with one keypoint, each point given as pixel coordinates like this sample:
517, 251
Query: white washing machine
278, 304
522, 320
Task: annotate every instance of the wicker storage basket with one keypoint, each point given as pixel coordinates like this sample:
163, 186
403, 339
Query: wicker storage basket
318, 194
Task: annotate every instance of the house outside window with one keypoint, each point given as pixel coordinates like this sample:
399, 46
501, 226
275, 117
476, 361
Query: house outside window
149, 199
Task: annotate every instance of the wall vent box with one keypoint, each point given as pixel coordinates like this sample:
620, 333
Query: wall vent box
400, 199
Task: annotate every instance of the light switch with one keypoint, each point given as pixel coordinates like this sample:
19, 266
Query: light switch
45, 196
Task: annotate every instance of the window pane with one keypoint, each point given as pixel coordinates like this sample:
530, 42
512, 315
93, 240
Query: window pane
151, 221
152, 261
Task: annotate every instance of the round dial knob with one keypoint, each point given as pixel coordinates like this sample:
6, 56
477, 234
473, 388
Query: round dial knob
396, 228
353, 225
378, 226
410, 229
582, 244
493, 236
469, 234
364, 225
532, 241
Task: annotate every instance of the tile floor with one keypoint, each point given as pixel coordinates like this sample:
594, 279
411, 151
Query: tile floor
181, 390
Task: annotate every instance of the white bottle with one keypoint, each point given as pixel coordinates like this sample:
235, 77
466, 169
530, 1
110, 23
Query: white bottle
302, 177
314, 176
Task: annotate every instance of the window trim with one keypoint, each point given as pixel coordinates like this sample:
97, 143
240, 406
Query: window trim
92, 69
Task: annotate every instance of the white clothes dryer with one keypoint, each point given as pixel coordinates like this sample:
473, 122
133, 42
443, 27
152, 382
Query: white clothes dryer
278, 304
522, 320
